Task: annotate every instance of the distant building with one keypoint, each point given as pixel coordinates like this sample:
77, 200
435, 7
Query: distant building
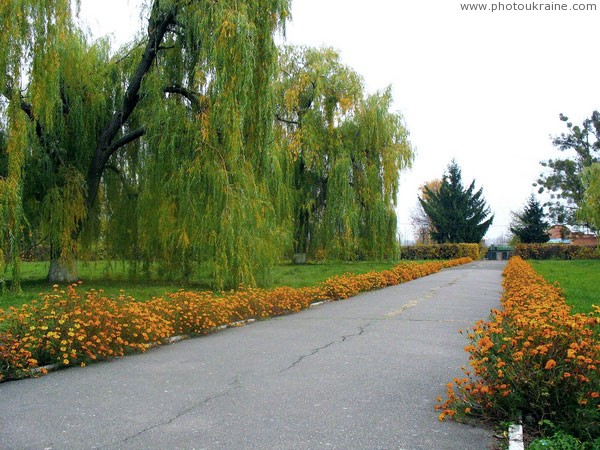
585, 239
500, 252
561, 234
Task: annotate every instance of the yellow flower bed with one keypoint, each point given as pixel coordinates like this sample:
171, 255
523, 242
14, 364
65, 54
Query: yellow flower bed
533, 358
69, 327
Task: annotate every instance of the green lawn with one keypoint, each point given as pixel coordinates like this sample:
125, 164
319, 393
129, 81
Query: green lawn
113, 277
580, 280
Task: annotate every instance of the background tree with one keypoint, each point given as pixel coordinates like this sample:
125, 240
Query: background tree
590, 208
529, 225
420, 221
344, 153
167, 146
457, 214
582, 143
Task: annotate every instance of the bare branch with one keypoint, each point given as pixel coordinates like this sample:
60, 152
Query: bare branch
192, 96
157, 28
130, 191
128, 138
291, 122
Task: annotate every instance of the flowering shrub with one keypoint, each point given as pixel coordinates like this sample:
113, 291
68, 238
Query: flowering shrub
68, 327
534, 358
14, 359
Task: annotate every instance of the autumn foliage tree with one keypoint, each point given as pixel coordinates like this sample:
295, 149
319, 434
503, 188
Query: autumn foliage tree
420, 221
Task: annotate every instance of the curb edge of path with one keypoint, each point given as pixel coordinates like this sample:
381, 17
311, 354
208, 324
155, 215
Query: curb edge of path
515, 437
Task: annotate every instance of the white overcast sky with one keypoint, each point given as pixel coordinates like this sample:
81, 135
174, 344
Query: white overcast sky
483, 88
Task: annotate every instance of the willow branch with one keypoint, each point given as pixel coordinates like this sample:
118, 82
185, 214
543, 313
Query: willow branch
192, 96
128, 138
290, 122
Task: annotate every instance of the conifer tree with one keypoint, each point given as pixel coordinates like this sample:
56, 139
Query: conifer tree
458, 215
529, 225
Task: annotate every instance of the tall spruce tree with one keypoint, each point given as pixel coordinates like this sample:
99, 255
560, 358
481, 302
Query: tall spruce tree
529, 225
457, 214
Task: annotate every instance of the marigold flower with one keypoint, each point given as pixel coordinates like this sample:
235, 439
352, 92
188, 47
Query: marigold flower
551, 364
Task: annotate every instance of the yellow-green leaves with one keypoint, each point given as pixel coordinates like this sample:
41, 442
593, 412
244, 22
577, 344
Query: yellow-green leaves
345, 153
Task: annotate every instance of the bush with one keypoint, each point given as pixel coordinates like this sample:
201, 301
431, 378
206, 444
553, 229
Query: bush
559, 440
556, 251
440, 251
68, 327
534, 358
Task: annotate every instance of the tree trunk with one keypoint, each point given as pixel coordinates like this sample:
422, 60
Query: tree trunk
299, 258
62, 270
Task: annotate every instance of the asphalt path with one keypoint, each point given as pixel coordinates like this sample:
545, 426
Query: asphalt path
362, 373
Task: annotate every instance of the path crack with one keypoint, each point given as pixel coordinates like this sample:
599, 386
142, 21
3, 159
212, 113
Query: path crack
236, 383
313, 352
361, 330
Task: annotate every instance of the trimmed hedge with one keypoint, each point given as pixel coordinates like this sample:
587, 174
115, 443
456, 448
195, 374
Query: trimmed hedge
440, 251
556, 251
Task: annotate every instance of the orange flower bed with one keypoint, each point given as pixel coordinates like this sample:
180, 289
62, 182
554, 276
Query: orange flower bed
533, 358
68, 327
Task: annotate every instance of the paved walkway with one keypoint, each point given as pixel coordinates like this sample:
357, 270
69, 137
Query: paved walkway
357, 374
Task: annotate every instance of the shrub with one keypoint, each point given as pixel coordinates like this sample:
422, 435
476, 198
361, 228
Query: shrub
67, 327
441, 251
556, 251
534, 358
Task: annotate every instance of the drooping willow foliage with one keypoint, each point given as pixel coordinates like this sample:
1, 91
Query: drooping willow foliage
345, 152
160, 153
166, 154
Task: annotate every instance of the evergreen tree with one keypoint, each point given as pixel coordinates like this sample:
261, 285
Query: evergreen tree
529, 225
457, 214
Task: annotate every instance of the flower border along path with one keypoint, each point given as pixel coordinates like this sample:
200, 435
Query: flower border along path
69, 327
533, 358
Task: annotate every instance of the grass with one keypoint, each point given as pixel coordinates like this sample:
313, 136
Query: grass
113, 277
579, 279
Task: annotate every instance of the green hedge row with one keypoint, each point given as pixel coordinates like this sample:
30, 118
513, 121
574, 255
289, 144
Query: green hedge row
440, 251
556, 251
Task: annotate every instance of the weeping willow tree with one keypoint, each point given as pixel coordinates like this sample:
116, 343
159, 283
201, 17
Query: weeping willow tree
161, 152
345, 152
